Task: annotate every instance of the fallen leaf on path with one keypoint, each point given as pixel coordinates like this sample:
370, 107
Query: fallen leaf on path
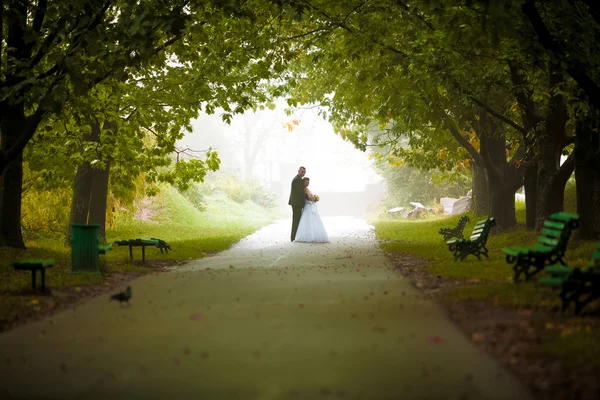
478, 337
196, 317
434, 339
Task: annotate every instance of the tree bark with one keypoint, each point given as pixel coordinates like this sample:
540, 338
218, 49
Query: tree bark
502, 205
13, 119
504, 178
82, 186
550, 144
587, 176
98, 201
480, 198
82, 192
12, 124
531, 195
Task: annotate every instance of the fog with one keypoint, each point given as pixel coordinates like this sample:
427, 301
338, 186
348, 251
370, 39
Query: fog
270, 145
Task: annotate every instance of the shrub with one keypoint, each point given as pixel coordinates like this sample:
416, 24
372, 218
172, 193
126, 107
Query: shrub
195, 196
264, 198
46, 211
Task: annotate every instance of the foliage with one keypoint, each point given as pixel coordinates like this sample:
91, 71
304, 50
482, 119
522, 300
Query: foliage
45, 213
263, 198
194, 196
235, 188
238, 189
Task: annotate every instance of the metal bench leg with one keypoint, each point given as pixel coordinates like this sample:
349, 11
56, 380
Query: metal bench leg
43, 279
33, 274
130, 253
143, 254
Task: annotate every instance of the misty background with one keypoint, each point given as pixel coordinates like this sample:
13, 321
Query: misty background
266, 148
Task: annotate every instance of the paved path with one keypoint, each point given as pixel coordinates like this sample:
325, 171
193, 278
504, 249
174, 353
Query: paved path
265, 320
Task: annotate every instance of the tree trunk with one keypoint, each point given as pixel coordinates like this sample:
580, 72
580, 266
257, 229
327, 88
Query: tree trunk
550, 179
504, 178
82, 192
99, 198
82, 187
480, 198
13, 120
531, 195
502, 205
553, 191
587, 176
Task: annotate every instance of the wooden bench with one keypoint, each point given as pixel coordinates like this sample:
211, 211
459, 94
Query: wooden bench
550, 248
579, 286
34, 266
475, 245
457, 232
143, 243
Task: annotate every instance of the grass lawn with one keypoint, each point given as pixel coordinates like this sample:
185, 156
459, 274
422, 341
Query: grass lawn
494, 275
192, 234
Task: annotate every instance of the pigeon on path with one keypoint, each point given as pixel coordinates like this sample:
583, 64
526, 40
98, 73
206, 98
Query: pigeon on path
122, 297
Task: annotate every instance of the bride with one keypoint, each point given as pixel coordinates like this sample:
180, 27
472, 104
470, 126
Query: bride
311, 228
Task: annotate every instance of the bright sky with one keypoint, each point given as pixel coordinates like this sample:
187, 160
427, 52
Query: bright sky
331, 163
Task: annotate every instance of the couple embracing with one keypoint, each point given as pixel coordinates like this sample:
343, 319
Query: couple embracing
306, 222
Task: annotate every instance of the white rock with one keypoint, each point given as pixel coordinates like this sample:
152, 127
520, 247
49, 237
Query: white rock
461, 205
447, 204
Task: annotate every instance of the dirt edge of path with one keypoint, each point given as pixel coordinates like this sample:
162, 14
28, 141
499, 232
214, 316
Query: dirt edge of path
510, 334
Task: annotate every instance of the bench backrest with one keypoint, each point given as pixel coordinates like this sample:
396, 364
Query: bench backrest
556, 232
482, 230
462, 222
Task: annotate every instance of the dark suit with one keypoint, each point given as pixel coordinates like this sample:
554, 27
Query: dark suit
297, 202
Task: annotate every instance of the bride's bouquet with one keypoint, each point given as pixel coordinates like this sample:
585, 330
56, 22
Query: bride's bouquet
317, 198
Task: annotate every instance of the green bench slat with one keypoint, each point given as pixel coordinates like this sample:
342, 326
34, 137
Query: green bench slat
547, 241
550, 281
542, 248
32, 263
554, 225
553, 233
561, 270
515, 251
474, 237
563, 216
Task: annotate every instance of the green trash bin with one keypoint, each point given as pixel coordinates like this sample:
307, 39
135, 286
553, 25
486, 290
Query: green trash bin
85, 256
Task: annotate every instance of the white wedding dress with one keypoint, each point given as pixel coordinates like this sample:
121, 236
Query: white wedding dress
311, 227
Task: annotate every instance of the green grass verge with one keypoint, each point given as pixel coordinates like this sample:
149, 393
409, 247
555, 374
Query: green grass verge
421, 238
190, 233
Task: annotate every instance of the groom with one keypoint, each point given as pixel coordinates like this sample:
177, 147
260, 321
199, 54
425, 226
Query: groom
297, 200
